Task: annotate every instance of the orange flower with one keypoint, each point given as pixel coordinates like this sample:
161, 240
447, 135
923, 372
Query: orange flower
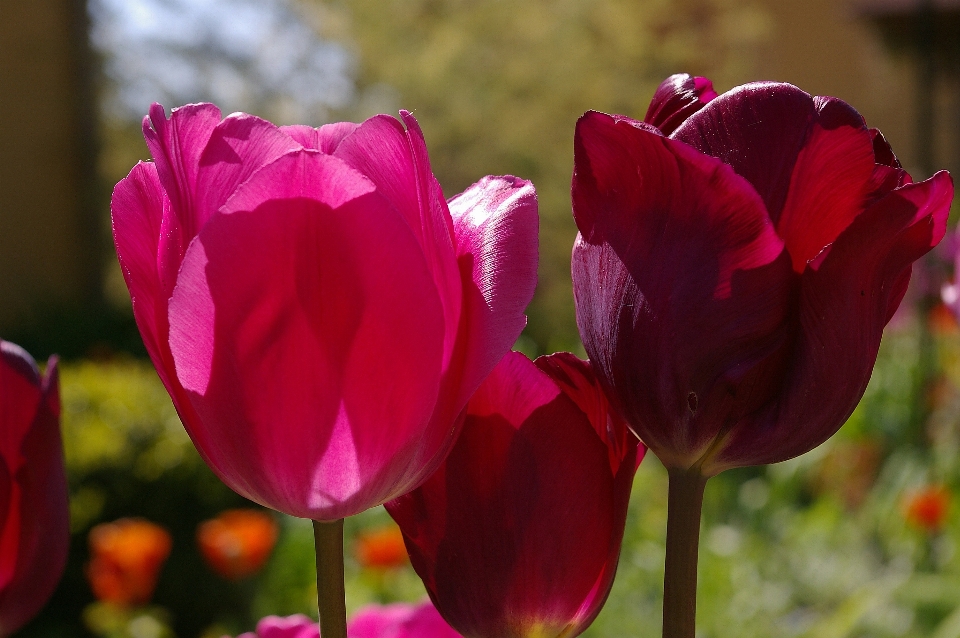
927, 508
237, 543
381, 548
126, 559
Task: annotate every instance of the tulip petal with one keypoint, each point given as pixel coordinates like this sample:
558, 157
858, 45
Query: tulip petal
43, 524
138, 208
396, 161
239, 146
176, 145
325, 139
284, 327
759, 130
677, 265
496, 226
844, 304
677, 98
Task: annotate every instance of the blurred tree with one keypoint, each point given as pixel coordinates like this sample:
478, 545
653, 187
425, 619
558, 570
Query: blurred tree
497, 87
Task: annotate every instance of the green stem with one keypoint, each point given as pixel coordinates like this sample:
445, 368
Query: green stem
328, 540
684, 503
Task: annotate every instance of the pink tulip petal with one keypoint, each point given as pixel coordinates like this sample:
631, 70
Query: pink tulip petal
296, 626
176, 145
677, 266
677, 98
399, 620
844, 305
239, 146
325, 139
137, 210
396, 161
331, 398
496, 226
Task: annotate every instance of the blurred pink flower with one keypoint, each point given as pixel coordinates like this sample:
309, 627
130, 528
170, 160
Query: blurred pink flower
34, 516
316, 310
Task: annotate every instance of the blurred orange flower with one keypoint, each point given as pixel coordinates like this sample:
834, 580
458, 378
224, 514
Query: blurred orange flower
381, 548
126, 557
927, 508
237, 543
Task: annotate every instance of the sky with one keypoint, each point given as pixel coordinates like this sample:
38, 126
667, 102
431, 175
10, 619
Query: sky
257, 56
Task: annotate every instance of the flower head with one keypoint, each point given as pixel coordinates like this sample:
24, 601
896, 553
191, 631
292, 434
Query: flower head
316, 310
397, 620
34, 519
518, 532
237, 543
126, 557
732, 279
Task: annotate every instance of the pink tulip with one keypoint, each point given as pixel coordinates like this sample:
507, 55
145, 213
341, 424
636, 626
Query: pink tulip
317, 311
732, 279
34, 519
397, 620
518, 532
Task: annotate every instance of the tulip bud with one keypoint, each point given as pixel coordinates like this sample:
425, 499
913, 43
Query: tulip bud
518, 532
35, 533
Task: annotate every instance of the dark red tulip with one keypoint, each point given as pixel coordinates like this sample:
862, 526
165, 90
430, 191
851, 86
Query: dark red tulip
518, 533
732, 279
34, 518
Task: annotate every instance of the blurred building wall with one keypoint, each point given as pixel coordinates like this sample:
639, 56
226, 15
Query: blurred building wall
829, 47
49, 223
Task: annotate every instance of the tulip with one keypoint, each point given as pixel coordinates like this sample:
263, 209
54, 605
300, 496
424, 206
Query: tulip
126, 557
237, 543
518, 532
397, 620
732, 279
316, 310
34, 528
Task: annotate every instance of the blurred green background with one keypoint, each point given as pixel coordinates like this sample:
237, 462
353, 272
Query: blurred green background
822, 546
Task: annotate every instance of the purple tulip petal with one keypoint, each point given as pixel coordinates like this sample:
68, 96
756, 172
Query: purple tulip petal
758, 129
677, 98
325, 139
239, 146
311, 384
678, 266
495, 217
845, 301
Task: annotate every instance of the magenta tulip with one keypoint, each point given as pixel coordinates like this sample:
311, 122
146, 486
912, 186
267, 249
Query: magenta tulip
732, 279
518, 532
317, 311
34, 519
396, 620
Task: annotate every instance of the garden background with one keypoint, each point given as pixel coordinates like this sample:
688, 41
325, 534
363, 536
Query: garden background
856, 538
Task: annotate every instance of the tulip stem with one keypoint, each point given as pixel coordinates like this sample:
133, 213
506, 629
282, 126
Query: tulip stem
684, 503
328, 540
